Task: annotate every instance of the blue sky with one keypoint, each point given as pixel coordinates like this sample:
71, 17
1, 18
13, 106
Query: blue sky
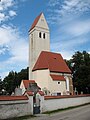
68, 20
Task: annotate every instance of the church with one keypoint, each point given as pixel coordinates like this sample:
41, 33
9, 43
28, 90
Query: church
46, 68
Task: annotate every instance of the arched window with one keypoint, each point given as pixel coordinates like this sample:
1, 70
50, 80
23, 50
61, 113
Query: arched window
40, 34
44, 35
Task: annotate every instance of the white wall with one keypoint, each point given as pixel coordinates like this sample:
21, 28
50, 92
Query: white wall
54, 104
44, 80
54, 87
41, 77
16, 108
22, 87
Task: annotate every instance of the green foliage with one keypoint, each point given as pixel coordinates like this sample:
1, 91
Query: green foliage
80, 66
1, 86
10, 82
23, 75
13, 80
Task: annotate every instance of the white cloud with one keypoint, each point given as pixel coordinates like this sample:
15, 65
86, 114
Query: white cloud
67, 44
6, 34
4, 74
76, 28
12, 13
8, 9
59, 9
79, 27
5, 5
53, 2
67, 54
68, 47
2, 16
73, 28
16, 46
3, 49
59, 47
13, 46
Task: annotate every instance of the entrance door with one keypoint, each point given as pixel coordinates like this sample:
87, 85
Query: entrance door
36, 104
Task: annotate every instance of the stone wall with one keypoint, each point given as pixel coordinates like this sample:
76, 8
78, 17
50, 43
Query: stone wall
15, 106
58, 102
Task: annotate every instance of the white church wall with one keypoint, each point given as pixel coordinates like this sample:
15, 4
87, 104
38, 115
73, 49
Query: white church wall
57, 86
41, 77
69, 83
44, 80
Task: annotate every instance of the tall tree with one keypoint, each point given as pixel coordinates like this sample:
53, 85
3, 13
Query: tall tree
23, 75
1, 85
13, 80
80, 66
10, 82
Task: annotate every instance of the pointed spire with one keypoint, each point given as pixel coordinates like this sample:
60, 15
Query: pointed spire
35, 21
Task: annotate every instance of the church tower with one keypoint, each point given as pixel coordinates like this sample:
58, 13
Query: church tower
39, 40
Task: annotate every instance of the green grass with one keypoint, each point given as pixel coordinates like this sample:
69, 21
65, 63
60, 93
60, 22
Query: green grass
63, 109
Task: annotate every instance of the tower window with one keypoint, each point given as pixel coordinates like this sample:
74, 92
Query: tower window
44, 35
40, 34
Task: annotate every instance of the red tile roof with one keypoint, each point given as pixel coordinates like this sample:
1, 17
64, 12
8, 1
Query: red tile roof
57, 77
65, 96
30, 93
52, 61
35, 22
41, 93
27, 82
8, 98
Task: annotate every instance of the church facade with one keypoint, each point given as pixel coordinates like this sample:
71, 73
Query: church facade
48, 69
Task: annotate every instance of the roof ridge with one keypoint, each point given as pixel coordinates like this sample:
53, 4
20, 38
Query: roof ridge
51, 52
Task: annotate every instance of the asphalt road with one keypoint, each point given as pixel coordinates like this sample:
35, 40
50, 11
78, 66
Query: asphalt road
81, 113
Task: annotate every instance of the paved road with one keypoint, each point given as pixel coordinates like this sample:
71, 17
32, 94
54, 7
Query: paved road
81, 113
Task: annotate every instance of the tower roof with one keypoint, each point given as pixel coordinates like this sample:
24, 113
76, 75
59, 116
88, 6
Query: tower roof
52, 61
35, 21
40, 22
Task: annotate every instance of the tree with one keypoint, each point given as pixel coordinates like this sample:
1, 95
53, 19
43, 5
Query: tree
10, 82
13, 80
1, 85
80, 66
22, 75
